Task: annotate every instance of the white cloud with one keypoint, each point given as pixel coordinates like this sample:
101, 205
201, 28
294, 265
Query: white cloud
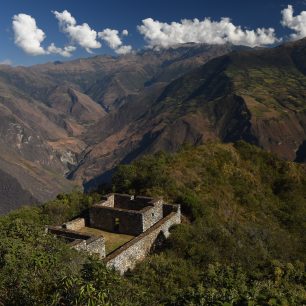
164, 35
30, 38
64, 18
6, 62
114, 41
111, 37
82, 34
27, 35
66, 51
296, 23
124, 50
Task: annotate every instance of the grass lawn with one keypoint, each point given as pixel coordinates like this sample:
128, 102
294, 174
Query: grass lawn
112, 240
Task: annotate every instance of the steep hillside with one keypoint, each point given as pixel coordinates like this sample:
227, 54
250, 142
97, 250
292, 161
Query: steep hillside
241, 242
255, 95
78, 120
245, 210
48, 111
12, 195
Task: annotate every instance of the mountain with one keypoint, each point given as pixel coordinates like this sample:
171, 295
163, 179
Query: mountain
67, 124
256, 95
12, 195
51, 113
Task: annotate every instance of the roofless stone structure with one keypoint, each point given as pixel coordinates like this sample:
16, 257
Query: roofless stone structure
122, 229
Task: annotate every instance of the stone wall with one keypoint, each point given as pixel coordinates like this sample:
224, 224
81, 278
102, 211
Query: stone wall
96, 245
104, 218
125, 201
75, 225
67, 234
108, 201
93, 245
80, 241
152, 215
131, 205
137, 249
125, 214
143, 217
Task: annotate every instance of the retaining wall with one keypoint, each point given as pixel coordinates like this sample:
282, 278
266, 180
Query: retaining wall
151, 215
137, 249
80, 241
75, 225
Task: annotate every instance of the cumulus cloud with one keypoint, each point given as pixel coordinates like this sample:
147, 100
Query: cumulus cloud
29, 37
111, 37
6, 62
82, 34
66, 51
114, 41
164, 35
296, 23
124, 50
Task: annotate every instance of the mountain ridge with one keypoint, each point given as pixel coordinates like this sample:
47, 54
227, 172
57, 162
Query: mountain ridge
49, 109
74, 122
229, 98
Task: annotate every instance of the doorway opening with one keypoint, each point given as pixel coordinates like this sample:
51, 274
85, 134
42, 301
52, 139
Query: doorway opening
116, 224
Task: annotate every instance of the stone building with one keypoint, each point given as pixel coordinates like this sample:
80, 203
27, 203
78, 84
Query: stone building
126, 214
145, 219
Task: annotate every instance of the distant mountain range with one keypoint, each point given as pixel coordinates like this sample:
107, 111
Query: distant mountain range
67, 124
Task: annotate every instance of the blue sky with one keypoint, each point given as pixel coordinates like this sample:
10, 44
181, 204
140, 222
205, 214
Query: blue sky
120, 15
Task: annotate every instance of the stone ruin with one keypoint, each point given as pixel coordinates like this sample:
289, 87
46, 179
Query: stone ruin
145, 218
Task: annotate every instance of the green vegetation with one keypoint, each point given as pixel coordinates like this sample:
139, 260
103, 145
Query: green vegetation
271, 82
279, 88
242, 241
38, 269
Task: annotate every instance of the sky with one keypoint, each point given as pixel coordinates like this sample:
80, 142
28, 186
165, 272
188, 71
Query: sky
33, 31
